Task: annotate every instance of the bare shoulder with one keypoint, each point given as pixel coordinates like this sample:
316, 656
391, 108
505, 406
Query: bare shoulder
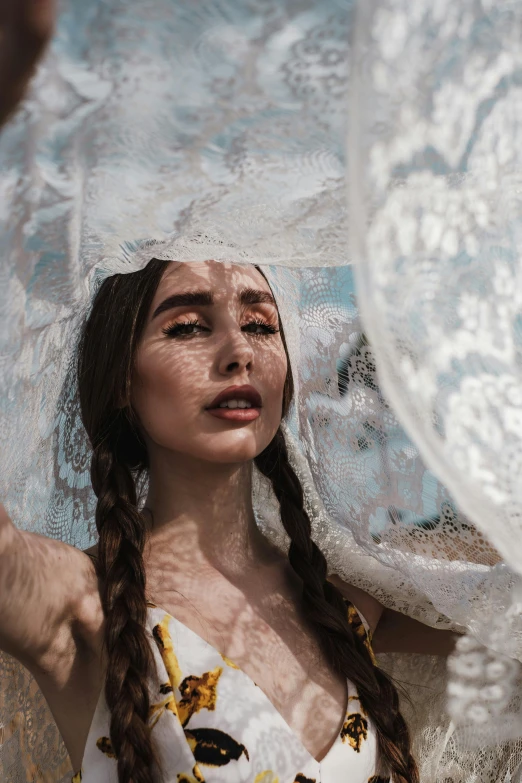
51, 620
71, 674
90, 618
81, 632
49, 601
370, 608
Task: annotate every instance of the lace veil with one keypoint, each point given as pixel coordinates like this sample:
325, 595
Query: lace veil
435, 151
195, 130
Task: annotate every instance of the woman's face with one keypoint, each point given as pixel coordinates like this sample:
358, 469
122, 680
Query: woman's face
211, 366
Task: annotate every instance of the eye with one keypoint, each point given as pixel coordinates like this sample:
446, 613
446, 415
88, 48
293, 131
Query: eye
259, 327
183, 329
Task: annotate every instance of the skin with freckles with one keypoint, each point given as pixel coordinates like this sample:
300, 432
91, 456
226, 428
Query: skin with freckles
191, 353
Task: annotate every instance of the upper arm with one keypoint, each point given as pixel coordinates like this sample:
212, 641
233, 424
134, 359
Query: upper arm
402, 634
368, 606
48, 591
393, 631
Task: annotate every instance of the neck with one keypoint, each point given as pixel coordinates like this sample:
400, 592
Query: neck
204, 511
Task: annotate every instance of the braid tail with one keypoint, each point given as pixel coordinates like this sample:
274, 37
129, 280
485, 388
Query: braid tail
122, 573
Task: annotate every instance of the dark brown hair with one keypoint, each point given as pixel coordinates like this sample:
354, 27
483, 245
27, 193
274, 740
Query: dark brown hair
107, 348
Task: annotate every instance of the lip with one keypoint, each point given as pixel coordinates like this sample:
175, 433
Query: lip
247, 393
237, 414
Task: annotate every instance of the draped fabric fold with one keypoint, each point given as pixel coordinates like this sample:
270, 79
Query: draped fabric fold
436, 228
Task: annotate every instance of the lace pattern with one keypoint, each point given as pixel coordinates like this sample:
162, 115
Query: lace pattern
202, 130
436, 92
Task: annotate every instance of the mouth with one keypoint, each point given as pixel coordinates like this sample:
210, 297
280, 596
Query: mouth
237, 403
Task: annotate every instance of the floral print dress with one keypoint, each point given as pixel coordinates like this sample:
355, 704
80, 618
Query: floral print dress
212, 724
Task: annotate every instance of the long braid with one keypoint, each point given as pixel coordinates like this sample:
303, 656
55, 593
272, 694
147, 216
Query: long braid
105, 366
325, 608
129, 658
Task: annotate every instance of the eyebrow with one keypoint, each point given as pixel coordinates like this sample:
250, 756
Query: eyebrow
188, 299
249, 296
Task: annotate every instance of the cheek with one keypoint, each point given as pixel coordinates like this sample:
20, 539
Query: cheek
169, 391
274, 376
163, 394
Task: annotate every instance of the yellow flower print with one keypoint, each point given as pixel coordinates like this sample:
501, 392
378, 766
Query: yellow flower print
355, 730
231, 664
77, 778
358, 627
163, 639
105, 745
196, 776
267, 776
198, 693
213, 747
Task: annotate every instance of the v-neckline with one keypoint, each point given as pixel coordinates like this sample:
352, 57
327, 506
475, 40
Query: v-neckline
201, 640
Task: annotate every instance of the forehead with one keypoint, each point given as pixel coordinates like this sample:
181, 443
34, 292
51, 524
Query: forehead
224, 279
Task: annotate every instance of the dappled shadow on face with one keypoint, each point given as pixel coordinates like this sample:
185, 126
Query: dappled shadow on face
189, 354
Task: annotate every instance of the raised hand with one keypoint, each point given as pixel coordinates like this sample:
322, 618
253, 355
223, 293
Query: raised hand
26, 27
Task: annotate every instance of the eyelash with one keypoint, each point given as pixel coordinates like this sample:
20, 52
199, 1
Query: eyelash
269, 329
178, 329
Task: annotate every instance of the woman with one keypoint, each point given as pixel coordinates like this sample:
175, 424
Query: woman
150, 377
183, 373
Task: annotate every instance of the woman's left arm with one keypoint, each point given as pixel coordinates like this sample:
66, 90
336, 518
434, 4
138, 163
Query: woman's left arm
396, 632
393, 631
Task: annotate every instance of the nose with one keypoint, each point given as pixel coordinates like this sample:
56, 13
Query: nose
236, 354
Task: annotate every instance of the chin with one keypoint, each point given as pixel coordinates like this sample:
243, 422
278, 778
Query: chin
233, 447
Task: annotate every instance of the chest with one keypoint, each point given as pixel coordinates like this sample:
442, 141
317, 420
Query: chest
275, 648
211, 722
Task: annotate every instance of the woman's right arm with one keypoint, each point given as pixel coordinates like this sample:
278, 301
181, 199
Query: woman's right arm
49, 598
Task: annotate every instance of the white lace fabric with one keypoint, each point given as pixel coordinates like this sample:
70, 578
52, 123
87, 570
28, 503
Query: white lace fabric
197, 130
436, 144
